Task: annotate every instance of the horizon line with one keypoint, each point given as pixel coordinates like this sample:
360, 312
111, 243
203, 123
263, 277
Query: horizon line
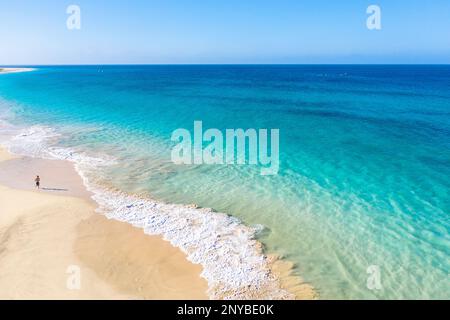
223, 64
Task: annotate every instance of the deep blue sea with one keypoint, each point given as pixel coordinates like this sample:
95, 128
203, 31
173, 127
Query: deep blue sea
364, 177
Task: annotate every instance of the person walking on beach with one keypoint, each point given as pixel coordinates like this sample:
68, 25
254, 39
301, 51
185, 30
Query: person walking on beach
38, 182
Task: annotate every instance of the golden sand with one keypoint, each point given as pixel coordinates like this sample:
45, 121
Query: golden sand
48, 238
51, 236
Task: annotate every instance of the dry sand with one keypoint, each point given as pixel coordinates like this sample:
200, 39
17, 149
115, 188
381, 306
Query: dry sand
49, 237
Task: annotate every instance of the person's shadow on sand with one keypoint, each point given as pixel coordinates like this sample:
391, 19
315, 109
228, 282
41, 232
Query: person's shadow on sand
54, 189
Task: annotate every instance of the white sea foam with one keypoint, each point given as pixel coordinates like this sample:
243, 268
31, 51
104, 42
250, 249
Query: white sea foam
233, 263
36, 141
232, 260
32, 141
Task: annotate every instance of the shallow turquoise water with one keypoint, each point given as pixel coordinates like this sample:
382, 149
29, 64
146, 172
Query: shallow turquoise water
364, 177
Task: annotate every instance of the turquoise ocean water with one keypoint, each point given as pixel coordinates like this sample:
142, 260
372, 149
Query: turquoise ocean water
364, 175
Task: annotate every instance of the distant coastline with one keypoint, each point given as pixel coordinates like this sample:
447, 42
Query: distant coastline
15, 70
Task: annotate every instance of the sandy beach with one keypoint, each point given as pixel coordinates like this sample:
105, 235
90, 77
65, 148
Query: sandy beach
53, 245
51, 236
14, 70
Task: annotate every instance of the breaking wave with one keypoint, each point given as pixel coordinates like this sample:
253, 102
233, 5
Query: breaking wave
233, 261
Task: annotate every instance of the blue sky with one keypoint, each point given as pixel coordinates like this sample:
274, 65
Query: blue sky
223, 31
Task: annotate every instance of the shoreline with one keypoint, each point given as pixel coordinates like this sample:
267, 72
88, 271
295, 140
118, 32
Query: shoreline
43, 234
279, 272
15, 70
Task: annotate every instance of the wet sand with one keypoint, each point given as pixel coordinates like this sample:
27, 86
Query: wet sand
53, 245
